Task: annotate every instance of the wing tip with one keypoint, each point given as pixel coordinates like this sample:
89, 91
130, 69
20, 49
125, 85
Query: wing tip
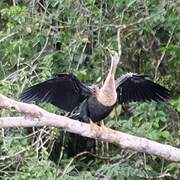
144, 90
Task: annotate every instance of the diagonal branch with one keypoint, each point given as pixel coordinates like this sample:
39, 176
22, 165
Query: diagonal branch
37, 117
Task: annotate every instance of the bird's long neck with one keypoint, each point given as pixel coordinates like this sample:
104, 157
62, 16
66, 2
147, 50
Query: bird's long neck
110, 82
107, 94
113, 68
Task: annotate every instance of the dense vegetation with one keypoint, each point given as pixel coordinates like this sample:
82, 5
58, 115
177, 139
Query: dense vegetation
41, 38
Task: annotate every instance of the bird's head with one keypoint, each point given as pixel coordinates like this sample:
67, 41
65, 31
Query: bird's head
115, 57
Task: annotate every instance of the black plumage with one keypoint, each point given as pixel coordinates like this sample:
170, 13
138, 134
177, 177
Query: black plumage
134, 87
86, 103
64, 91
67, 92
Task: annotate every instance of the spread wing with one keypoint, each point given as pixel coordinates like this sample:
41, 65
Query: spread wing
134, 87
64, 91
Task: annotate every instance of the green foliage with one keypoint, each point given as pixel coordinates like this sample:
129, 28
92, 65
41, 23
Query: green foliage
39, 39
147, 120
122, 168
35, 169
176, 104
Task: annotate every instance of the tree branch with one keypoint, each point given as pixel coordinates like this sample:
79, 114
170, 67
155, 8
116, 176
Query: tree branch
37, 117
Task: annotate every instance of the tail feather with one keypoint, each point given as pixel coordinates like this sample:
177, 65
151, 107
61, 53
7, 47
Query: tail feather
78, 143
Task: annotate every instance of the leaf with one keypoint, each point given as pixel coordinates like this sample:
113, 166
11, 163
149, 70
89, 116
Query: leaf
85, 40
176, 104
166, 135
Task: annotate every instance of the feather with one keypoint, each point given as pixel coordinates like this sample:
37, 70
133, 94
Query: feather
133, 87
64, 91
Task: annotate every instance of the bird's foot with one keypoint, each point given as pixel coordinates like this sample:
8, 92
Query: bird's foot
93, 125
104, 127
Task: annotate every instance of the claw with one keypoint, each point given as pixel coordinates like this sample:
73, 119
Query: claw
93, 125
104, 127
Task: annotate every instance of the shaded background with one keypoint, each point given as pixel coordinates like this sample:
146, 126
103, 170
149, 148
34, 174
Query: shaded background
41, 38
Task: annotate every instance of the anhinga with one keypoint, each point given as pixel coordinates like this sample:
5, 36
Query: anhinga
67, 92
92, 103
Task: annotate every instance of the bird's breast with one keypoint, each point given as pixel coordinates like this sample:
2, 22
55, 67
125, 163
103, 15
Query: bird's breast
107, 97
98, 111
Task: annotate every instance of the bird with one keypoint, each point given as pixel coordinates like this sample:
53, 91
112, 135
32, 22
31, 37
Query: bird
95, 103
92, 104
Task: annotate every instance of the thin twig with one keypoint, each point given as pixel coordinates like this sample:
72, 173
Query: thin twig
44, 47
163, 55
8, 36
77, 156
